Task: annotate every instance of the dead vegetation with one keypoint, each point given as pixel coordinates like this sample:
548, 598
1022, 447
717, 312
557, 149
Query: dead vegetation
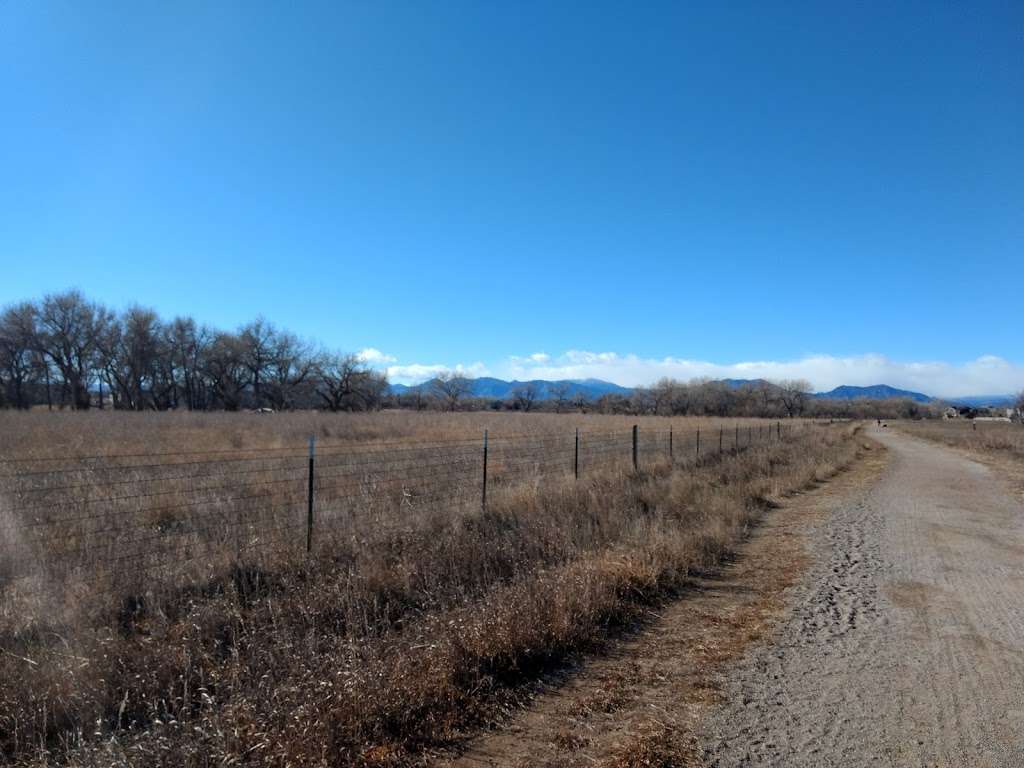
997, 438
393, 638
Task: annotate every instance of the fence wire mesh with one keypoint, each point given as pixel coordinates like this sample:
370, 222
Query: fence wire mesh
122, 517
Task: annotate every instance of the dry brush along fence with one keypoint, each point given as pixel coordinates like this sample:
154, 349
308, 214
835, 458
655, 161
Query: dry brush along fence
188, 609
123, 521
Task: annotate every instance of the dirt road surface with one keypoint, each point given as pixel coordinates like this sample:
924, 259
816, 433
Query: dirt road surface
875, 620
904, 641
639, 703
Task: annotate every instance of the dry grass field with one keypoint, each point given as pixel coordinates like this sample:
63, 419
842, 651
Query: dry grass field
998, 438
158, 605
39, 434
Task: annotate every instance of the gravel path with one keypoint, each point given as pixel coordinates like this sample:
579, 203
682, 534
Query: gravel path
904, 645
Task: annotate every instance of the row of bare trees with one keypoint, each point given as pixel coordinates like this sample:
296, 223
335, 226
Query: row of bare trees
452, 391
669, 397
67, 351
707, 397
767, 399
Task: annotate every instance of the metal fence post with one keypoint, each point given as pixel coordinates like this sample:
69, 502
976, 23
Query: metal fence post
635, 463
309, 494
736, 440
483, 497
778, 429
671, 454
698, 442
576, 458
721, 436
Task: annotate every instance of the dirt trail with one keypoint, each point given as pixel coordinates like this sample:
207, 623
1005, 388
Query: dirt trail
878, 620
904, 644
641, 703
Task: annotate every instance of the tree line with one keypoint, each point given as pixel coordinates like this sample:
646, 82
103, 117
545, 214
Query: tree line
65, 351
668, 397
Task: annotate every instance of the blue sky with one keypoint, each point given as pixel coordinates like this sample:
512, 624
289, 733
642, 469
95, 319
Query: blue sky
669, 185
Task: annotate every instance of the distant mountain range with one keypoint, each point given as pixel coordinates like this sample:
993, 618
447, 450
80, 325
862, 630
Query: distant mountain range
983, 401
885, 392
876, 392
499, 389
845, 392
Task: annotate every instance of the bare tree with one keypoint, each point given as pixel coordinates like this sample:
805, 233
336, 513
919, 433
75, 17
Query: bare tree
419, 399
767, 398
18, 364
258, 340
559, 393
580, 401
682, 399
672, 397
794, 394
662, 394
525, 395
345, 384
413, 397
613, 403
69, 328
291, 368
226, 369
129, 349
642, 401
713, 398
186, 344
450, 387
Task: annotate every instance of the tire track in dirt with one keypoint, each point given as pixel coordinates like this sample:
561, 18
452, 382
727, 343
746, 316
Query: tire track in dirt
642, 702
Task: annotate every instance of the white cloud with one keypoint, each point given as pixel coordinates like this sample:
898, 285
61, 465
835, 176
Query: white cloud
417, 373
535, 358
985, 375
373, 356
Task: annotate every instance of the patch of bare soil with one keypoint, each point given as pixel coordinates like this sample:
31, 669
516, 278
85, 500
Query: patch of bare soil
640, 704
903, 644
1008, 467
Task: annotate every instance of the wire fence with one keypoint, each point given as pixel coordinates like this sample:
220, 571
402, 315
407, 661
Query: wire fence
122, 517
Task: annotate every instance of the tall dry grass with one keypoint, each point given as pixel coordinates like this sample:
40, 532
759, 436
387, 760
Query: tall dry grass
116, 501
62, 433
397, 636
993, 437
